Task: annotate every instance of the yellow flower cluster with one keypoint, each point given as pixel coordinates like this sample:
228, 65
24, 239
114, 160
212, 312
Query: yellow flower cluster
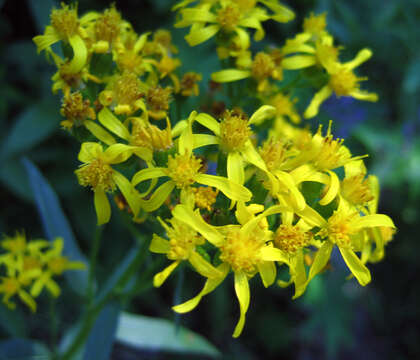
282, 198
29, 267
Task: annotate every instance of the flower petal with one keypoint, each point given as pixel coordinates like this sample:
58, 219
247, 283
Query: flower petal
209, 122
129, 192
243, 294
102, 207
232, 190
159, 245
316, 102
235, 168
362, 56
203, 267
262, 113
373, 221
333, 189
201, 34
79, 54
298, 62
160, 278
99, 132
321, 259
358, 269
113, 124
147, 174
89, 151
230, 75
267, 270
158, 197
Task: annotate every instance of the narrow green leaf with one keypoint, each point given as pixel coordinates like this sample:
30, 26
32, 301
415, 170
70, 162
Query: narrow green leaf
23, 349
56, 224
158, 334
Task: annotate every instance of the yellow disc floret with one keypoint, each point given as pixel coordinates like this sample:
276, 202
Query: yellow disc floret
291, 238
356, 190
344, 82
76, 109
65, 20
182, 240
339, 229
234, 131
228, 17
126, 89
273, 152
315, 24
263, 66
107, 26
205, 197
96, 174
183, 169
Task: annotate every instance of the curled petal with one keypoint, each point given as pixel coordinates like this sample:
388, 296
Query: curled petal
102, 207
160, 278
243, 295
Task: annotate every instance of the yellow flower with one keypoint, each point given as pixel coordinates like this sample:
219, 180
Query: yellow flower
182, 244
244, 248
76, 110
66, 26
345, 230
342, 82
228, 16
97, 173
188, 85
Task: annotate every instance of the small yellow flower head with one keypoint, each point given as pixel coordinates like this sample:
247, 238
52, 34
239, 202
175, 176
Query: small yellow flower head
234, 130
16, 244
285, 107
228, 17
205, 197
58, 265
126, 89
183, 168
182, 240
339, 229
273, 152
30, 263
326, 54
291, 238
163, 37
189, 86
97, 174
356, 189
150, 136
344, 82
107, 26
387, 233
263, 66
241, 251
315, 24
76, 109
167, 65
65, 20
158, 99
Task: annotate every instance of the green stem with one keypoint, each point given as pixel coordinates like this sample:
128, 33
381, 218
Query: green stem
53, 327
92, 263
94, 310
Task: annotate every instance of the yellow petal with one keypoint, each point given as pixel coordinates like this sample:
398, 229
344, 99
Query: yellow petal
201, 140
111, 122
232, 190
364, 95
362, 56
263, 112
102, 207
89, 151
333, 189
317, 100
158, 197
235, 168
203, 267
118, 153
252, 156
147, 174
358, 269
270, 253
243, 294
281, 13
209, 286
100, 133
298, 62
287, 180
53, 287
27, 299
129, 192
321, 259
298, 272
201, 34
194, 220
79, 54
160, 278
141, 41
159, 245
209, 122
311, 216
230, 75
49, 38
267, 270
373, 221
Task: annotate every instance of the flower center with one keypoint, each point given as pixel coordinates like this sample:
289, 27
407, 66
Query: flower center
315, 24
183, 169
332, 154
158, 98
150, 136
339, 229
273, 152
291, 238
241, 251
356, 190
205, 197
234, 131
229, 17
10, 286
58, 265
107, 26
30, 263
96, 174
182, 240
263, 66
126, 89
75, 109
65, 20
343, 82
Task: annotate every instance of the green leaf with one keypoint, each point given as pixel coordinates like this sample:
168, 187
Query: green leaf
56, 224
411, 82
30, 128
13, 176
41, 12
101, 338
23, 349
12, 322
158, 334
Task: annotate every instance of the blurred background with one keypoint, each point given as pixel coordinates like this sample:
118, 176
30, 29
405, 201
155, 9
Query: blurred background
335, 319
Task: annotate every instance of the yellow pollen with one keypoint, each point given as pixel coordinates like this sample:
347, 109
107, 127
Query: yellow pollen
30, 263
387, 233
150, 136
263, 66
291, 238
241, 251
205, 197
65, 20
303, 141
273, 152
163, 37
326, 54
339, 229
96, 174
182, 240
183, 169
76, 109
343, 82
167, 65
229, 17
245, 5
356, 190
158, 98
58, 265
332, 154
315, 24
16, 244
127, 89
189, 84
107, 26
234, 131
10, 286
